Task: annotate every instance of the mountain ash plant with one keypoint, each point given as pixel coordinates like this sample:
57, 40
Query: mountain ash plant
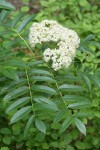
47, 83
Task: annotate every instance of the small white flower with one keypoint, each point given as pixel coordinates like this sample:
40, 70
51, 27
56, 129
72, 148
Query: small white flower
67, 41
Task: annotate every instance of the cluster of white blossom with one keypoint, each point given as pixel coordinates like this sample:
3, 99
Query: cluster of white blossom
67, 41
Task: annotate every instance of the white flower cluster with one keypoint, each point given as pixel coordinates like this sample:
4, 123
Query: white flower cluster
67, 41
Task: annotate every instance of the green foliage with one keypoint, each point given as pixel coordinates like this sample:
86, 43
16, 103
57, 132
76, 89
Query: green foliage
81, 15
44, 108
80, 126
6, 5
40, 125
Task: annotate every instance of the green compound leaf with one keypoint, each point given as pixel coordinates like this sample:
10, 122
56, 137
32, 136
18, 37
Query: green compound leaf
41, 99
4, 14
16, 19
43, 78
45, 89
20, 114
45, 103
67, 87
41, 72
28, 125
87, 81
6, 5
73, 98
10, 73
46, 107
83, 114
60, 115
35, 63
80, 125
15, 62
25, 22
89, 37
95, 79
16, 93
14, 84
17, 104
65, 124
40, 125
79, 105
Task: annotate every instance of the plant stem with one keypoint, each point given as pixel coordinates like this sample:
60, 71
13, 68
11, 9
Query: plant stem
23, 41
58, 89
60, 94
26, 68
29, 89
